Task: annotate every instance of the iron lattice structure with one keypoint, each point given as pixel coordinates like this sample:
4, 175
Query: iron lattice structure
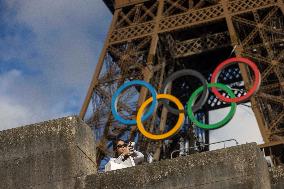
150, 39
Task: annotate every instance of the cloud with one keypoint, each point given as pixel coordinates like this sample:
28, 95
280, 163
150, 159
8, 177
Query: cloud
48, 52
243, 127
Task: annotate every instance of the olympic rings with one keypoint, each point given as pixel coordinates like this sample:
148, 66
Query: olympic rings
191, 108
114, 101
228, 62
181, 73
169, 133
219, 124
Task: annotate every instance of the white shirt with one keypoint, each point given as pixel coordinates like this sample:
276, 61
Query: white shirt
122, 162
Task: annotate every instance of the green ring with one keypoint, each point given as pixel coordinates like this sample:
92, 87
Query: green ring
219, 124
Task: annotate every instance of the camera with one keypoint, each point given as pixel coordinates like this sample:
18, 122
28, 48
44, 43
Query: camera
131, 144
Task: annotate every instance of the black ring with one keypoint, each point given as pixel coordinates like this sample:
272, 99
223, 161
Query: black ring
181, 73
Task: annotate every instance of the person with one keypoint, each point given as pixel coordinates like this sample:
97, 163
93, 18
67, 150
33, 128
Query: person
125, 156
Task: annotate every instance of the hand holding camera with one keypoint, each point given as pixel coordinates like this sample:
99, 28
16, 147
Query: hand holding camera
129, 150
131, 147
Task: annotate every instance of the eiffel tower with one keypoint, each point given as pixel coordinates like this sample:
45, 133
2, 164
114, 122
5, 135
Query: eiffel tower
149, 40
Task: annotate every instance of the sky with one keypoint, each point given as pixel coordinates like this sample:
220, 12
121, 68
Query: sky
243, 127
48, 53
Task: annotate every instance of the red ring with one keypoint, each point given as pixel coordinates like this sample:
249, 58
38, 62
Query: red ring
226, 63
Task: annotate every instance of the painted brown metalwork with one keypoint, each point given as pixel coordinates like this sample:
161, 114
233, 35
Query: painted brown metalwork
147, 37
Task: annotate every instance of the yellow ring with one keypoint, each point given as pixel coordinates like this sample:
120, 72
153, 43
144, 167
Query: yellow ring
169, 133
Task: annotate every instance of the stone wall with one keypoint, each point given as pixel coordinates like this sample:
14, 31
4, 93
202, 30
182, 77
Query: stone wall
60, 154
54, 154
241, 167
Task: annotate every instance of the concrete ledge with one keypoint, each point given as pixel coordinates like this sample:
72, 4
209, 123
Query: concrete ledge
238, 167
51, 154
60, 154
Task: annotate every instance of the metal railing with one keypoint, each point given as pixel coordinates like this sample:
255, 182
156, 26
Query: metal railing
203, 145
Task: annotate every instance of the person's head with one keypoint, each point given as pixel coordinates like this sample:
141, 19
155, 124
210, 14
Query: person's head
119, 147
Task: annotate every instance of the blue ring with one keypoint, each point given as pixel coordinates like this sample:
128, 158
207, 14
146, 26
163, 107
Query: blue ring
123, 87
